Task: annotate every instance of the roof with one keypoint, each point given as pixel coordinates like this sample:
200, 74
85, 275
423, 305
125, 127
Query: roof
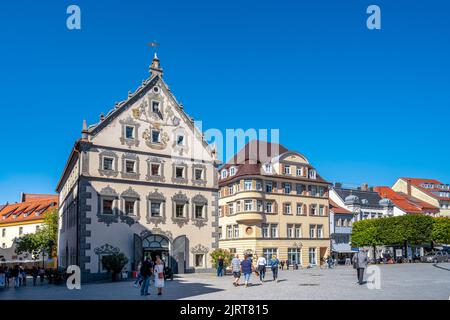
249, 160
337, 209
417, 182
405, 202
372, 197
28, 210
35, 196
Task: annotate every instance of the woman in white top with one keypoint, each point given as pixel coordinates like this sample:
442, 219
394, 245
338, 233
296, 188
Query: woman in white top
159, 274
261, 266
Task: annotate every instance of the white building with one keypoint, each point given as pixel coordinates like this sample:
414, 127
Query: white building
19, 219
142, 181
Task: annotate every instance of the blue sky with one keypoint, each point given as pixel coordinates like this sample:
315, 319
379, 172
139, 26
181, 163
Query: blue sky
361, 105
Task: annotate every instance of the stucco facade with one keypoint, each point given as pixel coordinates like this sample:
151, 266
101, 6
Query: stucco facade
143, 182
270, 207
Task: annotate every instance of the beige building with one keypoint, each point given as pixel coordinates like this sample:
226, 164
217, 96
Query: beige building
143, 182
272, 201
430, 191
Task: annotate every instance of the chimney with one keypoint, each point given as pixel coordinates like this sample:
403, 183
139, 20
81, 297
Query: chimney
364, 187
408, 187
338, 185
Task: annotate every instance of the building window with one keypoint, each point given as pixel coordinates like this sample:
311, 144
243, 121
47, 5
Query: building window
229, 232
155, 169
259, 206
155, 106
248, 205
199, 211
156, 136
268, 253
299, 209
265, 231
312, 231
230, 189
107, 206
312, 174
269, 186
313, 210
180, 140
129, 132
258, 185
313, 190
199, 258
321, 191
321, 210
298, 231
108, 163
231, 208
20, 231
219, 231
290, 231
236, 231
299, 171
179, 172
224, 174
269, 207
179, 210
129, 166
247, 185
274, 230
287, 188
320, 231
287, 208
312, 256
232, 171
198, 174
338, 222
299, 188
268, 168
287, 169
129, 208
155, 209
3, 232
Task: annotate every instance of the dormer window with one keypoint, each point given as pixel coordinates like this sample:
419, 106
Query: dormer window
268, 168
312, 174
287, 169
129, 132
232, 171
156, 136
224, 174
299, 171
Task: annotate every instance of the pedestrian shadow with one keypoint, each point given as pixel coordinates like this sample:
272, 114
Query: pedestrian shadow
182, 289
439, 267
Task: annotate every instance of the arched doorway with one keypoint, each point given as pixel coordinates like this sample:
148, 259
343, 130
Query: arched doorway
156, 245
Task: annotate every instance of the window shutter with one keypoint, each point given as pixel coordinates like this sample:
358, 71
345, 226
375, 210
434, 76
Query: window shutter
275, 207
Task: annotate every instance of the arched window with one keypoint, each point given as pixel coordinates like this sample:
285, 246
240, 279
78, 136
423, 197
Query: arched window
155, 242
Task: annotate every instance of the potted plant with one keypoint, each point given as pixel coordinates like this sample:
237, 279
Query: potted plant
114, 263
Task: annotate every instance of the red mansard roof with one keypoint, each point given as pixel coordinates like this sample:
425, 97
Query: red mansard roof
417, 182
34, 209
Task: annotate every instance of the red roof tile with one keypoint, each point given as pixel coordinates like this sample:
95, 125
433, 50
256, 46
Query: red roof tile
405, 202
337, 209
28, 210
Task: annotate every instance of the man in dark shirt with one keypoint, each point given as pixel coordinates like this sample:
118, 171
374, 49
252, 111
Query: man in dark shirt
220, 266
146, 272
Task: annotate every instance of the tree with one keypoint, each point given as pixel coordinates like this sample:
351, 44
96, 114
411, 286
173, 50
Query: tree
114, 263
441, 230
43, 241
225, 254
366, 233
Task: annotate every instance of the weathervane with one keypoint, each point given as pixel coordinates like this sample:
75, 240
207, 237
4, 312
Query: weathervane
153, 44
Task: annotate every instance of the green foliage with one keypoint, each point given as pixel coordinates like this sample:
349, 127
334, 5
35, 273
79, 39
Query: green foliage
43, 241
114, 262
225, 254
441, 230
366, 233
412, 229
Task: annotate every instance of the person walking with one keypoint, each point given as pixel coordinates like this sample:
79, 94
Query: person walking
16, 276
274, 265
220, 266
23, 276
159, 274
41, 275
360, 263
34, 273
246, 269
261, 267
138, 281
236, 269
146, 272
282, 264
